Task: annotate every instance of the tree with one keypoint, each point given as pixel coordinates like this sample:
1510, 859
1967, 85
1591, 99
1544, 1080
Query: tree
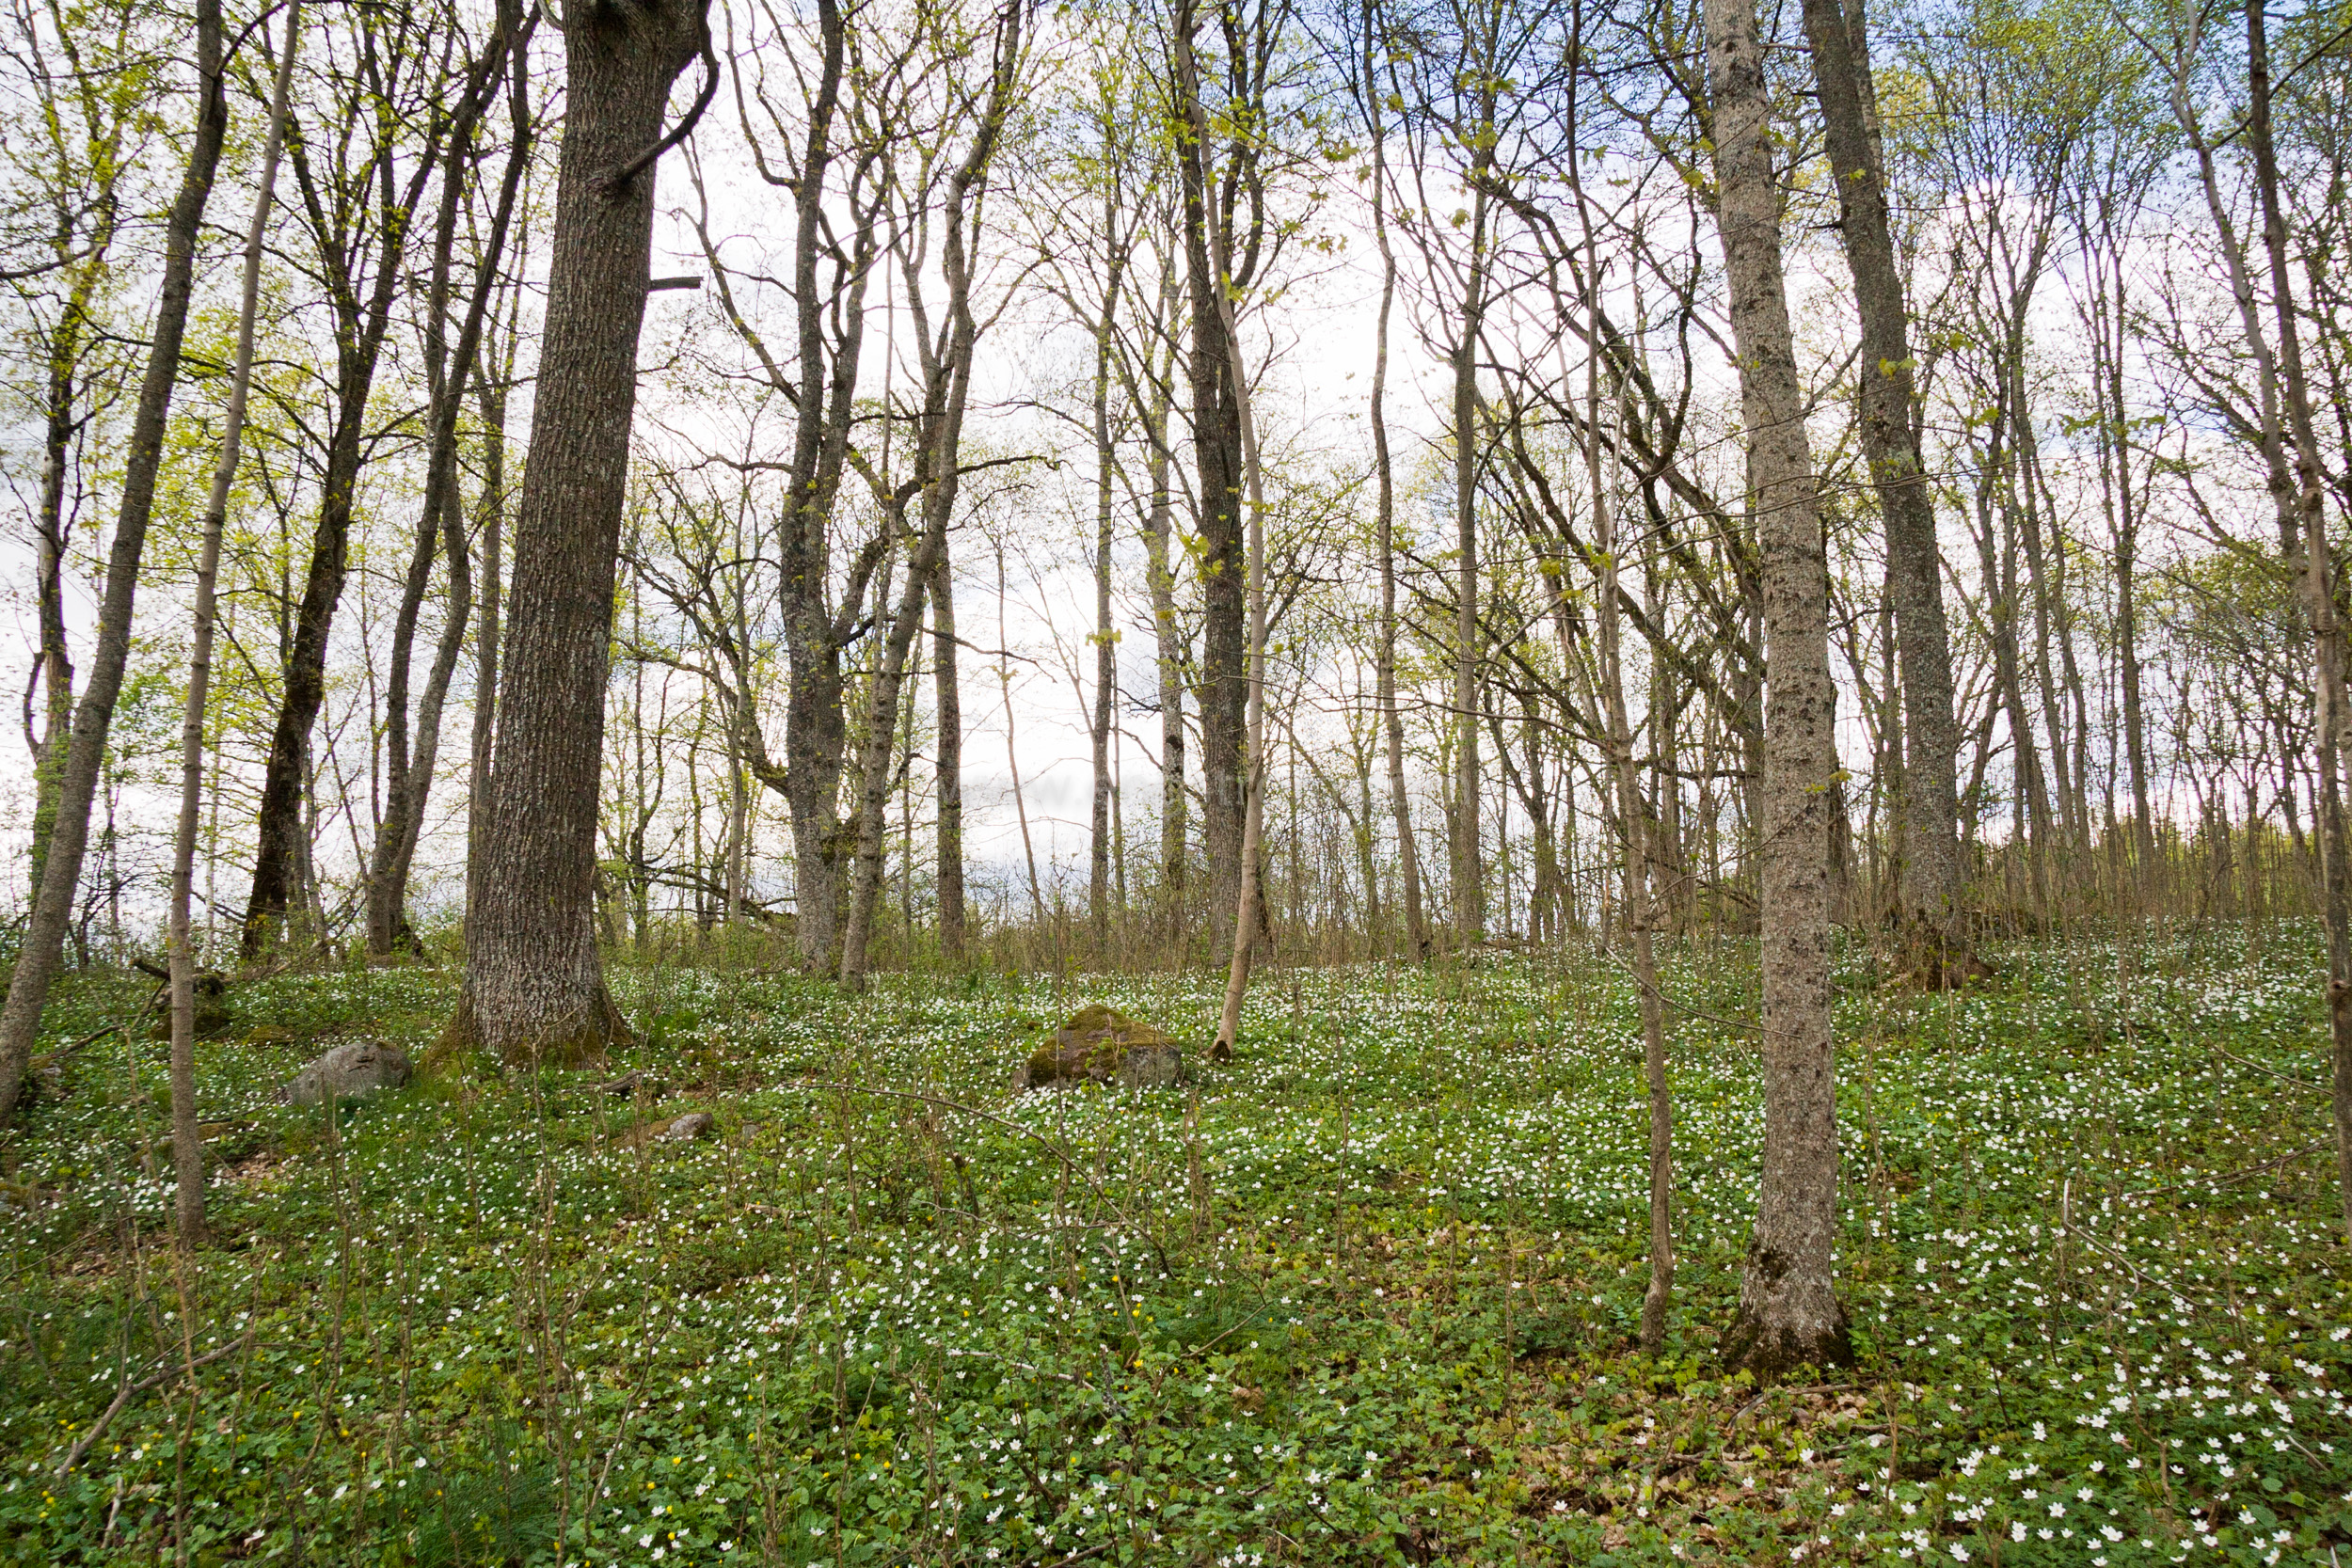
187, 1148
358, 212
1790, 1314
533, 987
1384, 480
77, 786
1928, 879
947, 391
440, 521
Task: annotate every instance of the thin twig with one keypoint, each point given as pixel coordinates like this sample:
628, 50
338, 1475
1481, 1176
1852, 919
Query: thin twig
132, 1390
1038, 1139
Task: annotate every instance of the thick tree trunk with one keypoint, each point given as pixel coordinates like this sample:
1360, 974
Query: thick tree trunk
534, 983
43, 942
1790, 1314
1928, 882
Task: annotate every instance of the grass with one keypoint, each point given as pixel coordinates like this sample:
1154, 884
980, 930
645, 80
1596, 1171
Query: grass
1367, 1295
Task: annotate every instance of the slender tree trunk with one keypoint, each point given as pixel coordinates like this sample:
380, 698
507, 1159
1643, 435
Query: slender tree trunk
283, 851
948, 698
490, 392
1470, 887
43, 942
1641, 869
2319, 605
52, 662
1927, 876
1217, 425
815, 727
1167, 643
187, 1148
1384, 654
441, 524
1790, 1314
534, 987
948, 379
1012, 751
1106, 635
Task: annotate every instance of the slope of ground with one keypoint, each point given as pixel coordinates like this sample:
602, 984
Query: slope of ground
1366, 1295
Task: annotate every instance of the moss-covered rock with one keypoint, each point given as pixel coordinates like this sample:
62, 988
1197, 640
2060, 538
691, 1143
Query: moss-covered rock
1101, 1045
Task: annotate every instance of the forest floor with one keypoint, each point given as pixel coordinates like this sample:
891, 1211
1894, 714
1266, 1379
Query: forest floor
1365, 1295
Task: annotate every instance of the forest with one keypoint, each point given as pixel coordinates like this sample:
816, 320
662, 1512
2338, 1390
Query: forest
1733, 943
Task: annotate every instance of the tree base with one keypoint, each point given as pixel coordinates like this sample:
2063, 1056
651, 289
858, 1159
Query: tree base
1933, 961
1784, 1324
587, 1035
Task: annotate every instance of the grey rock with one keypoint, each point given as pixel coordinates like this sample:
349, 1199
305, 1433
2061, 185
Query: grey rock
687, 1128
355, 1069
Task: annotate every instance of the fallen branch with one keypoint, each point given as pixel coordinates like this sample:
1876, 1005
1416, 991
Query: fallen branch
130, 1391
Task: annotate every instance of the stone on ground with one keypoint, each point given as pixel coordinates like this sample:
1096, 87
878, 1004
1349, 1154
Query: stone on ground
354, 1070
1101, 1045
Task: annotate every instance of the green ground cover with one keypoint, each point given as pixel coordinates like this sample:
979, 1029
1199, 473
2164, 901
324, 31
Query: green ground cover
1365, 1295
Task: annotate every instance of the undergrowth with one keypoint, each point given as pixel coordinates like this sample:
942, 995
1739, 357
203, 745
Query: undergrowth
1366, 1295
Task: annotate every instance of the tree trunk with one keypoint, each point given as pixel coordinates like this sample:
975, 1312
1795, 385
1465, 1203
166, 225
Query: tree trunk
1384, 545
490, 391
1927, 877
187, 1146
1105, 636
282, 852
534, 983
43, 942
1167, 639
948, 698
441, 524
1217, 429
1790, 1314
1469, 888
948, 389
2319, 605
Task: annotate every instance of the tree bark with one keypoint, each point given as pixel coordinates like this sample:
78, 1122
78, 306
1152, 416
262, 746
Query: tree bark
187, 1146
441, 525
1383, 518
1217, 429
534, 987
1168, 636
1790, 1314
490, 392
948, 697
43, 947
1927, 878
947, 375
1106, 635
2319, 607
